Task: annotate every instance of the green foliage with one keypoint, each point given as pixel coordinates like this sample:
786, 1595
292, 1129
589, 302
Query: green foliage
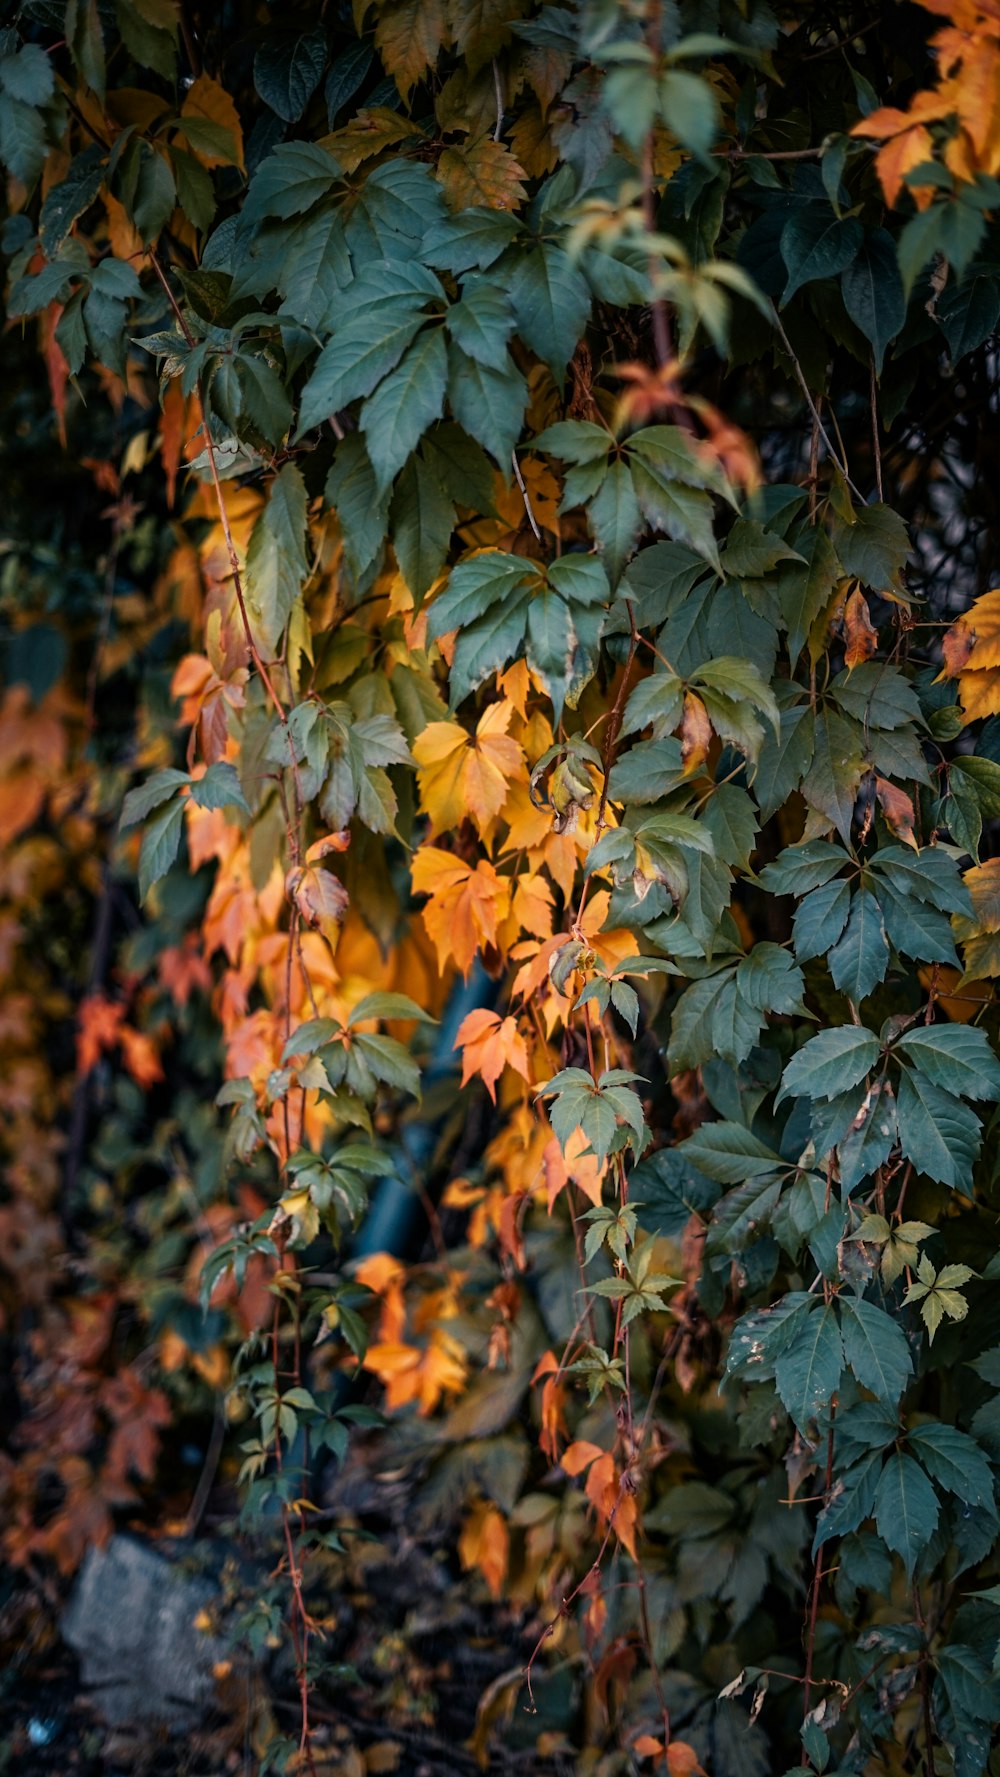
457, 314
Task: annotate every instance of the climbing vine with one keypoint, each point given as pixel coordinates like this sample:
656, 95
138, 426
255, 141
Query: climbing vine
533, 617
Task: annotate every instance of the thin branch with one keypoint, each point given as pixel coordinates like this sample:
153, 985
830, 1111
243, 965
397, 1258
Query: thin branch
876, 446
498, 89
519, 478
813, 409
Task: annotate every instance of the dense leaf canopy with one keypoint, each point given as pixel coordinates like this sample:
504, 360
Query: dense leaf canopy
497, 571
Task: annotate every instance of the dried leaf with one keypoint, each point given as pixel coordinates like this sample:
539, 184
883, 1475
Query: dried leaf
860, 633
485, 173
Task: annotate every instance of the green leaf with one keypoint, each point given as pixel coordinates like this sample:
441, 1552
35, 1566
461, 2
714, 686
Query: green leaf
219, 788
769, 980
875, 1348
160, 845
551, 304
145, 797
476, 587
937, 1132
830, 1063
409, 399
729, 1153
155, 194
852, 1501
689, 108
489, 404
389, 1062
293, 177
28, 75
874, 545
360, 354
388, 1005
288, 68
752, 551
351, 489
820, 919
807, 1373
22, 139
817, 244
954, 1460
878, 696
800, 868
481, 324
873, 292
834, 777
859, 959
423, 519
905, 1509
74, 194
614, 517
805, 591
958, 1057
870, 1139
276, 556
655, 703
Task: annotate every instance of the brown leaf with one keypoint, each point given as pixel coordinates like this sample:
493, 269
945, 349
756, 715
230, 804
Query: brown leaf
696, 733
898, 810
484, 173
318, 896
861, 634
408, 36
956, 647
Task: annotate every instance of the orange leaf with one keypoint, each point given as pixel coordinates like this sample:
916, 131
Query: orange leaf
484, 1542
862, 636
489, 1044
898, 810
99, 1023
465, 905
141, 1057
172, 436
579, 1455
682, 1760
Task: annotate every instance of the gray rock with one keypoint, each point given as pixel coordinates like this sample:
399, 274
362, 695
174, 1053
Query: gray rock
131, 1622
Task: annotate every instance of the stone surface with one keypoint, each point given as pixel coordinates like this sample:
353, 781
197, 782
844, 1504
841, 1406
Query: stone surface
131, 1623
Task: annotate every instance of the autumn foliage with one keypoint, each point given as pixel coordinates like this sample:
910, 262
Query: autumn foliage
498, 911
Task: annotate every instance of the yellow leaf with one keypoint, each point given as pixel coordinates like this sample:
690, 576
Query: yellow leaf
408, 36
460, 775
533, 905
211, 101
482, 28
484, 1542
696, 733
490, 1043
532, 142
366, 135
484, 173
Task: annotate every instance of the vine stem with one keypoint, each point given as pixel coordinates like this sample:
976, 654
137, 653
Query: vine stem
813, 409
234, 562
817, 1580
299, 1621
